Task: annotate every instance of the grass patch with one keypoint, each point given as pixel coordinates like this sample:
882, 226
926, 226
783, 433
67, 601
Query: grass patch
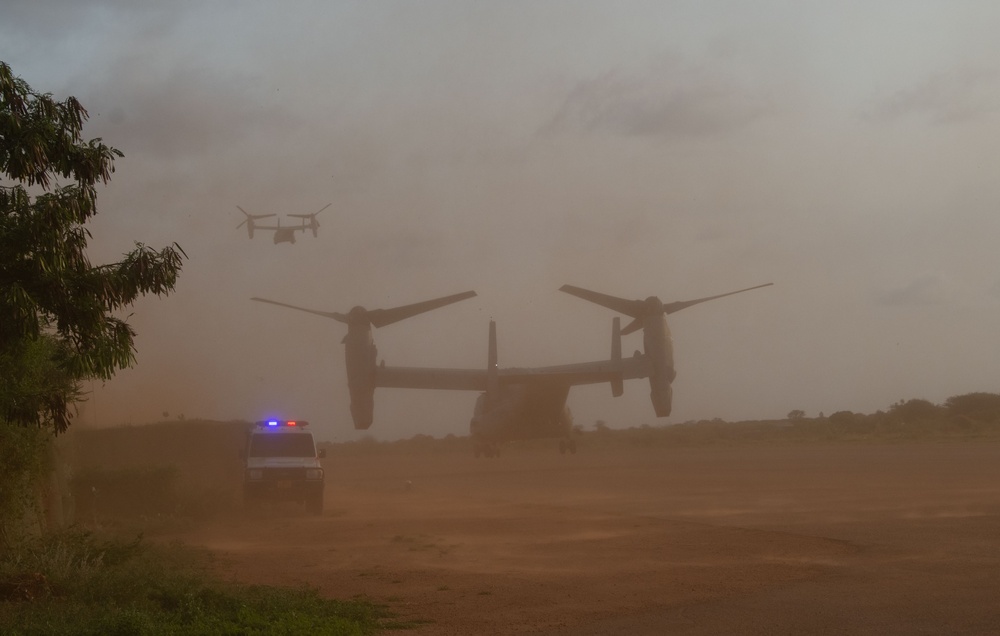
153, 496
77, 583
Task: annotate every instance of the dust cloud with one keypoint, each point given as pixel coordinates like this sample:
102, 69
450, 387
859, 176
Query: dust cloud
628, 535
636, 149
669, 149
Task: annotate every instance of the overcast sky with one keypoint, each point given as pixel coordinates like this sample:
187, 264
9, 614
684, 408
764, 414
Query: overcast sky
847, 152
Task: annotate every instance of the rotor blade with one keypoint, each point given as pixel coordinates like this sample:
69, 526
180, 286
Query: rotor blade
632, 327
339, 317
308, 216
633, 308
669, 308
242, 224
383, 317
254, 216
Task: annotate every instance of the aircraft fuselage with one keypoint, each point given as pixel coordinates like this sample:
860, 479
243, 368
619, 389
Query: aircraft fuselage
521, 412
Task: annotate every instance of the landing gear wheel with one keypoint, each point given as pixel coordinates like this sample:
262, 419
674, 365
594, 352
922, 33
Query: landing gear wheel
488, 450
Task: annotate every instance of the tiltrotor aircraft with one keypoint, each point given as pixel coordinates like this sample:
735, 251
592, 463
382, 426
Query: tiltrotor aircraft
282, 234
515, 403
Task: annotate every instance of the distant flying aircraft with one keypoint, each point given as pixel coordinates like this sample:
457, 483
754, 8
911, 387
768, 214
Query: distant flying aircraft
514, 403
284, 234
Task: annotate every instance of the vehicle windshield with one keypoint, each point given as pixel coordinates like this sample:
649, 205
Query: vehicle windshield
282, 446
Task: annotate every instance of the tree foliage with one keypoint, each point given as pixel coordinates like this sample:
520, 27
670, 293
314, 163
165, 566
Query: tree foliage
915, 410
48, 287
978, 406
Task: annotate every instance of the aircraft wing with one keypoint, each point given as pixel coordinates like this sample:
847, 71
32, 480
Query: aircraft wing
475, 379
580, 373
423, 378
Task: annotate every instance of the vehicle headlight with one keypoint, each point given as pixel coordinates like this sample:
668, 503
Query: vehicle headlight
314, 473
255, 474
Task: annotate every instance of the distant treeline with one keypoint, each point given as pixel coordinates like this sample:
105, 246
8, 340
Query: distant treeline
960, 416
208, 451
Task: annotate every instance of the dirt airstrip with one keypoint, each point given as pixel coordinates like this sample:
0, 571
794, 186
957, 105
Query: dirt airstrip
757, 539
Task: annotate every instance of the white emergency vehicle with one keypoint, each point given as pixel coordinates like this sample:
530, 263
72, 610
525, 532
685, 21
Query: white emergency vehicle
281, 463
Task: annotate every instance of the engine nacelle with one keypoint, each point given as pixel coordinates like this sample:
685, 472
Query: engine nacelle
659, 350
661, 394
359, 356
363, 408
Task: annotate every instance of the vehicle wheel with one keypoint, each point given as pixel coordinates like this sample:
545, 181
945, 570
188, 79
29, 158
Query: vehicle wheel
314, 503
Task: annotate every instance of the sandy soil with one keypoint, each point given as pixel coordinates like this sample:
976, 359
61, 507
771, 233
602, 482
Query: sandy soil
833, 539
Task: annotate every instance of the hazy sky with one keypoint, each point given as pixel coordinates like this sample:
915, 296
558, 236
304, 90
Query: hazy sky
847, 152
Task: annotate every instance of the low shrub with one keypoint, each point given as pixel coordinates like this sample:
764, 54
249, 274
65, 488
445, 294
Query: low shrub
79, 583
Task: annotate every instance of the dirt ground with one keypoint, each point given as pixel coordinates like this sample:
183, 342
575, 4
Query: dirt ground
757, 539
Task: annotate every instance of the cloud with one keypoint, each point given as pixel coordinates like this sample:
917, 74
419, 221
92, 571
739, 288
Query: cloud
945, 98
183, 114
674, 103
926, 290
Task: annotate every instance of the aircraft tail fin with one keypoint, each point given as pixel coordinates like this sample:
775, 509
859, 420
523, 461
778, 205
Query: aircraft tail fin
617, 383
492, 373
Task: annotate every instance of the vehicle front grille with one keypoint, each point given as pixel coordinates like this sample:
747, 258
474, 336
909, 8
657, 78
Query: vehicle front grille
284, 474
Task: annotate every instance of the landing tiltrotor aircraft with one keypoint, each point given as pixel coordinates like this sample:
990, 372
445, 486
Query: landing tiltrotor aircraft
284, 234
515, 403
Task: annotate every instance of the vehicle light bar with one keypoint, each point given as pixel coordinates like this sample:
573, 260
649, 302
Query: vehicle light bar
281, 423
